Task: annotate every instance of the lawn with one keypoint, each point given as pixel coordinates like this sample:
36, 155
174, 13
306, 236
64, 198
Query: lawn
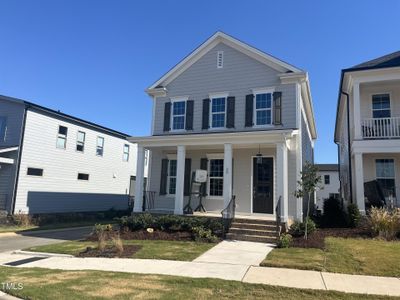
46, 284
170, 250
351, 256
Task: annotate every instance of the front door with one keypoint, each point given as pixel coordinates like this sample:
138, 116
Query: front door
263, 185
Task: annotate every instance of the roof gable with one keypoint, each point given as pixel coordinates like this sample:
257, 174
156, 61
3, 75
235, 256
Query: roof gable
386, 61
219, 37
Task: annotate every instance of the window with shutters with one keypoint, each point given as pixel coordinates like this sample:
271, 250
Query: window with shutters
178, 115
220, 59
218, 111
262, 109
171, 177
62, 137
216, 177
80, 141
100, 146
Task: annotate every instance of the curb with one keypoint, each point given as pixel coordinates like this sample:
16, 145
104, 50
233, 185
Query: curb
41, 254
4, 234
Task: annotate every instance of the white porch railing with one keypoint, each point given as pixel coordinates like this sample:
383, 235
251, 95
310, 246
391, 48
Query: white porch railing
378, 128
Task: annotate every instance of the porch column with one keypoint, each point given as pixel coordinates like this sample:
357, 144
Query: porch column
227, 193
357, 113
180, 179
282, 180
359, 181
138, 204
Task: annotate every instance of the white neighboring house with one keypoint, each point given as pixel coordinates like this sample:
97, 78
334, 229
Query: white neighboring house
330, 181
368, 132
244, 116
51, 162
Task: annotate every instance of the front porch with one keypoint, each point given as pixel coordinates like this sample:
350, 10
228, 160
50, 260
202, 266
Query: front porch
258, 168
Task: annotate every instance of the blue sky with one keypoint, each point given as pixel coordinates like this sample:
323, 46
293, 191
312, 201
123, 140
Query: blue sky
93, 59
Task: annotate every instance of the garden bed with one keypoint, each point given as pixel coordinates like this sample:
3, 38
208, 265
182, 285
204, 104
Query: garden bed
155, 235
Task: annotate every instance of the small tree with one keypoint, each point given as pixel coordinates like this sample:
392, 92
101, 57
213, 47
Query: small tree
309, 182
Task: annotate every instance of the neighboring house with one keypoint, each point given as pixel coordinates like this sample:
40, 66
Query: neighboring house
368, 129
244, 116
53, 162
330, 182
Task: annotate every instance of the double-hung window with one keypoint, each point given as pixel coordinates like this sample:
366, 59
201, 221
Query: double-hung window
171, 180
381, 106
178, 115
80, 141
126, 153
216, 177
385, 175
263, 109
62, 137
100, 146
3, 128
327, 179
218, 112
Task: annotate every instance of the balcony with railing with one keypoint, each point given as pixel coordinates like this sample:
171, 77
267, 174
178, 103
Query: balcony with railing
381, 128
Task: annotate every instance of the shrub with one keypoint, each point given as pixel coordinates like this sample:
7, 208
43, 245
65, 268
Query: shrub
285, 240
353, 215
334, 214
23, 219
298, 228
384, 223
201, 234
117, 243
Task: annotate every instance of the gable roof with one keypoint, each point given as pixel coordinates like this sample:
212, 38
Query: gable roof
216, 38
28, 105
386, 61
327, 167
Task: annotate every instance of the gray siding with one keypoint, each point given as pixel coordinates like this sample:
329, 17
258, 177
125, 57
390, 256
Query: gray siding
239, 75
14, 112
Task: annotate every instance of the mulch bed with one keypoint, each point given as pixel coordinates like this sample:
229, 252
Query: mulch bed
144, 235
317, 238
110, 252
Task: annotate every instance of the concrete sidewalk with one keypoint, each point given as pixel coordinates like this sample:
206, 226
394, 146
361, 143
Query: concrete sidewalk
207, 266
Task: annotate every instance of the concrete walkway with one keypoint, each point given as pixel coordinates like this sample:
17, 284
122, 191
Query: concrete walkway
222, 265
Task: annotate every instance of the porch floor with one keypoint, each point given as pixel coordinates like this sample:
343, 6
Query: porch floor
246, 216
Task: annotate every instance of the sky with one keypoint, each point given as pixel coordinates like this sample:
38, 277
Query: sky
94, 59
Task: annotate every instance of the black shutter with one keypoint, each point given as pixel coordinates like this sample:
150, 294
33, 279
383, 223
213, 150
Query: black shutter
167, 116
278, 108
206, 114
188, 176
249, 111
230, 118
164, 175
189, 114
203, 166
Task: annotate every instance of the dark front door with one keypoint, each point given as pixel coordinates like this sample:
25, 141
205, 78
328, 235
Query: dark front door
263, 185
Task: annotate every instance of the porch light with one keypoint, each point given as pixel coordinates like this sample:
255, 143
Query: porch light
259, 156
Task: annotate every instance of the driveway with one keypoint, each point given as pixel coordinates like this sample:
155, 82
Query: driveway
31, 239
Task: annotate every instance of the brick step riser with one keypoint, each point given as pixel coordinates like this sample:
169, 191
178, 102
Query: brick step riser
253, 226
271, 233
251, 239
251, 221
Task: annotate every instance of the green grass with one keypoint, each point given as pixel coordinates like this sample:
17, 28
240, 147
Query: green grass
351, 256
47, 284
169, 250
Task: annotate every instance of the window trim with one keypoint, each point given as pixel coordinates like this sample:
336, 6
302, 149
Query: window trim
35, 176
372, 103
171, 158
97, 138
211, 157
220, 66
123, 153
178, 99
64, 136
77, 141
216, 96
261, 91
394, 171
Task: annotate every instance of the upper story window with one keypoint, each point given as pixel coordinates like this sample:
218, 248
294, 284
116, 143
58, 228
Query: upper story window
171, 180
220, 59
178, 115
100, 146
126, 152
263, 109
218, 112
62, 137
381, 106
385, 175
34, 172
3, 128
83, 176
327, 179
80, 141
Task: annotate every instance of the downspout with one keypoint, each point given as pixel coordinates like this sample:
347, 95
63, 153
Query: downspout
21, 144
349, 145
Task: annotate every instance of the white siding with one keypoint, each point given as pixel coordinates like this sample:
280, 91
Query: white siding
59, 190
333, 187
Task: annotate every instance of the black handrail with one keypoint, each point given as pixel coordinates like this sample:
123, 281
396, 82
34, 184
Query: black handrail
229, 211
278, 215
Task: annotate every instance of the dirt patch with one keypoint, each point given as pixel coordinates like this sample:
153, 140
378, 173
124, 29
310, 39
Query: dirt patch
317, 238
110, 252
48, 278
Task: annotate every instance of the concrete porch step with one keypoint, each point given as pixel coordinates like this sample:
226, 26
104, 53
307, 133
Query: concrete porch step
267, 227
252, 238
257, 232
254, 221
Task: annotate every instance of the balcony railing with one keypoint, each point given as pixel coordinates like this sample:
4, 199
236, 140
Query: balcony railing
381, 128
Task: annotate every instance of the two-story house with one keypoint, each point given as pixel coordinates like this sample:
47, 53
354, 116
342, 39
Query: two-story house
329, 174
242, 115
53, 162
368, 131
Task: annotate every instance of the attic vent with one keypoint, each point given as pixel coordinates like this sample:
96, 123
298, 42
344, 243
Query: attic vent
220, 59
